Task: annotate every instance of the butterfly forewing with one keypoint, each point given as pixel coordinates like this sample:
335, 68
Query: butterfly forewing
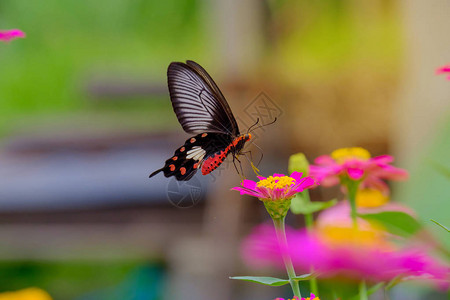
197, 101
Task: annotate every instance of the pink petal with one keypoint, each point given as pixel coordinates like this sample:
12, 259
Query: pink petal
306, 183
249, 184
355, 174
244, 191
324, 160
278, 175
8, 35
297, 176
392, 173
382, 159
444, 69
376, 183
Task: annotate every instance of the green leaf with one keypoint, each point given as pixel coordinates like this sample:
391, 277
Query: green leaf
304, 277
298, 163
271, 281
439, 224
395, 222
301, 204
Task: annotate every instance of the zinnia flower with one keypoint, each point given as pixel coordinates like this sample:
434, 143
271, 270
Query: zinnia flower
356, 164
276, 191
275, 187
8, 35
338, 252
442, 70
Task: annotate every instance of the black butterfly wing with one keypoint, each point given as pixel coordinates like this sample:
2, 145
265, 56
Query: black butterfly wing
190, 157
197, 101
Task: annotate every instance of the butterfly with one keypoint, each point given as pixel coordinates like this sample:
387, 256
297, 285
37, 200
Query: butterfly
202, 110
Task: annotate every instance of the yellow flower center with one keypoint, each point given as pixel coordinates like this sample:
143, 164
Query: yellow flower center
343, 154
276, 182
370, 198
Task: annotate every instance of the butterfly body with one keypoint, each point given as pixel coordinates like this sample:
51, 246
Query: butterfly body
201, 109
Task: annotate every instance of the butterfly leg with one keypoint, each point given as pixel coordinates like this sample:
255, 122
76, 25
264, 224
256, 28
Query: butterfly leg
241, 174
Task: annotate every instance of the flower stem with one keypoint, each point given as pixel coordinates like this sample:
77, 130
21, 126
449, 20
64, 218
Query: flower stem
363, 290
281, 236
309, 221
352, 189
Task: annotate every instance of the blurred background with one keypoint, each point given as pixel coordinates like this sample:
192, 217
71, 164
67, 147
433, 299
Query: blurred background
85, 117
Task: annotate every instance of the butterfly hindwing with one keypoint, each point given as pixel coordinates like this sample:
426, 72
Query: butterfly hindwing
189, 158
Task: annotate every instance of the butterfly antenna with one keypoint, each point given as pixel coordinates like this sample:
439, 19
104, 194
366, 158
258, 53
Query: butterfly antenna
250, 128
263, 125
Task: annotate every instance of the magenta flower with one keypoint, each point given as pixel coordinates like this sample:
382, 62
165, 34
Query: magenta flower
356, 164
343, 253
276, 187
8, 35
442, 70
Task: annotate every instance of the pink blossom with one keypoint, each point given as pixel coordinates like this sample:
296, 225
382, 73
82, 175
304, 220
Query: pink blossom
368, 259
329, 171
442, 70
8, 35
275, 187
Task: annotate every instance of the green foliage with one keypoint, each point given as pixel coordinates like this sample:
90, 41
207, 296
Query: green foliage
302, 205
395, 222
298, 163
439, 224
71, 279
272, 281
71, 42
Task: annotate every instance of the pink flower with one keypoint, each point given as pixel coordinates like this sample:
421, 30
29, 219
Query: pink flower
343, 253
276, 187
8, 35
442, 70
356, 164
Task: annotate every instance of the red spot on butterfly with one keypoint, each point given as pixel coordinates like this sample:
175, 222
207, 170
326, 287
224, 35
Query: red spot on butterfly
195, 165
183, 170
174, 158
182, 149
192, 140
204, 134
172, 168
